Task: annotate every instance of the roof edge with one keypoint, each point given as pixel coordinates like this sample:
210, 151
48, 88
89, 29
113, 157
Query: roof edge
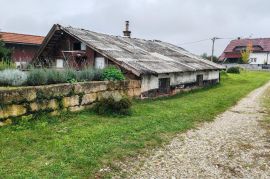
46, 40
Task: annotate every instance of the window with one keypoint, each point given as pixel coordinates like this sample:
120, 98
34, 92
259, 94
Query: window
77, 46
253, 60
83, 46
239, 48
59, 63
164, 85
99, 62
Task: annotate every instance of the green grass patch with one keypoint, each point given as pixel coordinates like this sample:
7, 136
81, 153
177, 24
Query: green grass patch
77, 145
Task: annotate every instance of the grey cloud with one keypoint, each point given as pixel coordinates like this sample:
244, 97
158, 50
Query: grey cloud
175, 21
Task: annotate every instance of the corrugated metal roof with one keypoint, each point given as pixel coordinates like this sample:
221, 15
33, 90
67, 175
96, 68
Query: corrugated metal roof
9, 37
143, 56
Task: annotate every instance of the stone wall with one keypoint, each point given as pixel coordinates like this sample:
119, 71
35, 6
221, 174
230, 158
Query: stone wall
21, 101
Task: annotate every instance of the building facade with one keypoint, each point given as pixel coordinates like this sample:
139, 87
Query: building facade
163, 68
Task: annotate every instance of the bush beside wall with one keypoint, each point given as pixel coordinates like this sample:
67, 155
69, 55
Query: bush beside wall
233, 70
12, 78
113, 106
37, 77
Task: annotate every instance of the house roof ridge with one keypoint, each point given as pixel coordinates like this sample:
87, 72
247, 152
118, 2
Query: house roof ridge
16, 33
18, 38
117, 36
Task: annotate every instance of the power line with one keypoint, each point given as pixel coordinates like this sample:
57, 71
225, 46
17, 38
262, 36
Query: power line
187, 43
213, 43
203, 40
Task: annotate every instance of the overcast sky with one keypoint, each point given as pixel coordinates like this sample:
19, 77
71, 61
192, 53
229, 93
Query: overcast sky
175, 21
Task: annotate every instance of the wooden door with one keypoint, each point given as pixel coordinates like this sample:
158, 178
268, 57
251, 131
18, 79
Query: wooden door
164, 85
200, 80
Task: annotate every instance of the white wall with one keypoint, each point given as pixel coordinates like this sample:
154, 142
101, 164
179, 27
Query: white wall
151, 82
259, 58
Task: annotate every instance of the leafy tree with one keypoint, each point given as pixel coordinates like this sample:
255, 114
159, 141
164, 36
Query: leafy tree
205, 56
5, 53
246, 53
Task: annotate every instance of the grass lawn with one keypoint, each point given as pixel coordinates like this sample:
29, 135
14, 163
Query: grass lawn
79, 144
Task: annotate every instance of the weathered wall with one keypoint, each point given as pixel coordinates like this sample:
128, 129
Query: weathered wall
22, 53
150, 82
54, 98
66, 44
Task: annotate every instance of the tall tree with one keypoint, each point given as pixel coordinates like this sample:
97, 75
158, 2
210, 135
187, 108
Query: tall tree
246, 53
205, 56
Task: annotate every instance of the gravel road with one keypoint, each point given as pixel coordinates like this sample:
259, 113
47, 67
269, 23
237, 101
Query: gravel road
235, 145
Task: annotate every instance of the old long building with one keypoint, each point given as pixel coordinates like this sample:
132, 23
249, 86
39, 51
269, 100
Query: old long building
162, 67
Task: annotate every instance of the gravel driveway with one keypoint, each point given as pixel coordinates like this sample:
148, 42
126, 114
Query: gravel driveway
233, 146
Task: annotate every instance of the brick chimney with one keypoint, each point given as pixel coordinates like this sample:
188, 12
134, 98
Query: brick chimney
127, 32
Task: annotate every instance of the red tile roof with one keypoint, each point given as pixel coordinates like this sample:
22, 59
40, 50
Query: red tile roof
261, 42
21, 38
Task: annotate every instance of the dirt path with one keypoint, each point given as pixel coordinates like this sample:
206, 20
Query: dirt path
233, 146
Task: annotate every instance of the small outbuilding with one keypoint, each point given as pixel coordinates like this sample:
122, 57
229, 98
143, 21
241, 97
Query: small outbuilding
163, 68
23, 46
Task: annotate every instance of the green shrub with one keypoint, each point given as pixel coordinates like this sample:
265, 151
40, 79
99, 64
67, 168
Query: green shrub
12, 77
98, 75
90, 74
51, 76
70, 75
86, 75
37, 77
233, 70
7, 65
109, 106
112, 74
55, 76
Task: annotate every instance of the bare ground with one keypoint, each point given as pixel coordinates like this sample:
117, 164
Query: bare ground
235, 145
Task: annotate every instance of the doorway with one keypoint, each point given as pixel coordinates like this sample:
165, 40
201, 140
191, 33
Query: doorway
199, 80
164, 85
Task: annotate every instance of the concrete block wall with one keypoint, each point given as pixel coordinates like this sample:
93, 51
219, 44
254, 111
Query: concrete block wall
23, 101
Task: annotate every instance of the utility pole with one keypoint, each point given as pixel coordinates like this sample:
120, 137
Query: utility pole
213, 46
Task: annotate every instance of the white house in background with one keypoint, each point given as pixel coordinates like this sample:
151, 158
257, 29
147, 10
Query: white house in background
259, 56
